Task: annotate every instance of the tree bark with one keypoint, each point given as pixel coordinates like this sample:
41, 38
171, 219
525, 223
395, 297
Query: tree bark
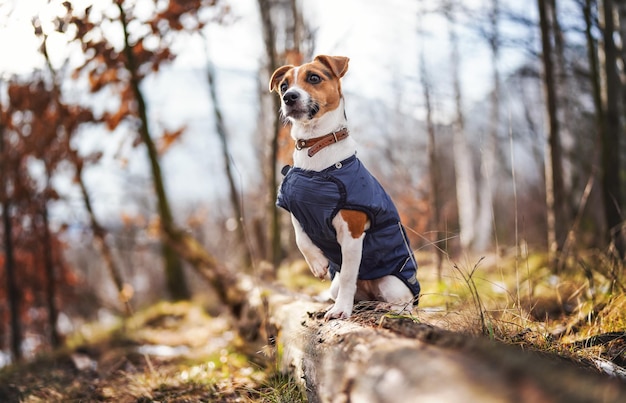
49, 264
553, 156
383, 358
175, 278
433, 166
11, 283
611, 167
463, 164
566, 109
621, 10
13, 294
269, 39
484, 220
224, 282
235, 200
99, 234
588, 7
51, 289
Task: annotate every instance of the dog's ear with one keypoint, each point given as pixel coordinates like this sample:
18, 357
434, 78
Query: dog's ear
337, 64
278, 75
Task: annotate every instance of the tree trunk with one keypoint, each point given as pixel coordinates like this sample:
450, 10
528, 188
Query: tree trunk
484, 220
433, 167
566, 109
611, 167
375, 357
13, 294
99, 234
98, 231
565, 115
553, 156
596, 87
463, 164
174, 275
235, 201
53, 312
224, 282
269, 38
621, 8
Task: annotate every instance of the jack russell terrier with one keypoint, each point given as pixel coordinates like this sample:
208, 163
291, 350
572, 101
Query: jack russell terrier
345, 223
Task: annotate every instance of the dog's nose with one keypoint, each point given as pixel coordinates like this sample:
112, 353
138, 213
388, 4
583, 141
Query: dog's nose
290, 97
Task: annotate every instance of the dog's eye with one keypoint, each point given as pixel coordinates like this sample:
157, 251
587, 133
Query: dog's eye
314, 79
284, 86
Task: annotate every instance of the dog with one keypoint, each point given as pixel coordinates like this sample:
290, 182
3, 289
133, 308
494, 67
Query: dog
345, 224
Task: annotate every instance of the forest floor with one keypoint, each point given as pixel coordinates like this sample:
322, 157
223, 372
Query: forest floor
177, 352
171, 352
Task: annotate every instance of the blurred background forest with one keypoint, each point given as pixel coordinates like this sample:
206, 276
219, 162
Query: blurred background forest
140, 150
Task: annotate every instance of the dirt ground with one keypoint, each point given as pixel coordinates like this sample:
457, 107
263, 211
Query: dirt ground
170, 353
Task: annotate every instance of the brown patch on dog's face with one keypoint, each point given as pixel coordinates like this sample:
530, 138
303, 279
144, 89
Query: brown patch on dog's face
312, 89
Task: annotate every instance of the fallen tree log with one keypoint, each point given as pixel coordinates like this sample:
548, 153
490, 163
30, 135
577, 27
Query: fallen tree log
399, 360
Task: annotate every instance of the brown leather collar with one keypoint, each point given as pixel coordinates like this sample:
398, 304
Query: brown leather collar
317, 143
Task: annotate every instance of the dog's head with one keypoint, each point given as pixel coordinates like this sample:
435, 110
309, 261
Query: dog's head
310, 90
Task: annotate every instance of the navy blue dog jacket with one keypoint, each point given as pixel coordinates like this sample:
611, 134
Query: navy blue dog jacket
314, 198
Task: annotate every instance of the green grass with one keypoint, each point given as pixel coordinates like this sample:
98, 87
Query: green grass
522, 301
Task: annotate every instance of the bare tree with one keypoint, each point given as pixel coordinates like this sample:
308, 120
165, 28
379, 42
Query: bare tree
99, 233
177, 285
65, 129
269, 38
9, 259
621, 9
566, 111
49, 264
463, 163
122, 74
484, 220
612, 193
555, 197
589, 12
223, 135
433, 166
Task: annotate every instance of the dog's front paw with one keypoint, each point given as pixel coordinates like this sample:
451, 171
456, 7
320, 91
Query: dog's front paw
339, 311
319, 266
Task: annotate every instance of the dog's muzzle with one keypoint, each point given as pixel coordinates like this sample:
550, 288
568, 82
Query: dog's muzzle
297, 105
291, 97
